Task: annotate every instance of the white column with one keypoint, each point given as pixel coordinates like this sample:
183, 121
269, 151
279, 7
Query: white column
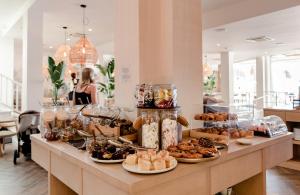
260, 80
268, 78
159, 42
32, 77
227, 60
268, 75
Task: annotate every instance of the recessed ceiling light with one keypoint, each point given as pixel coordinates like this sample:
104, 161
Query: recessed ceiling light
218, 45
220, 30
90, 30
68, 39
50, 47
259, 39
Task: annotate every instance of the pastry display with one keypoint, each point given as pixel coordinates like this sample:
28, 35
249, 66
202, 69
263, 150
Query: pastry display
169, 134
165, 96
215, 130
194, 149
269, 126
240, 133
106, 151
149, 161
218, 116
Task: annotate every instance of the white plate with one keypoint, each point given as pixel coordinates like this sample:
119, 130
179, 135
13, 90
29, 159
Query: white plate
106, 161
244, 141
134, 169
198, 160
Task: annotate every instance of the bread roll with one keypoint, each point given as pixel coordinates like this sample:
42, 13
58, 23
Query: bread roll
131, 159
159, 164
144, 165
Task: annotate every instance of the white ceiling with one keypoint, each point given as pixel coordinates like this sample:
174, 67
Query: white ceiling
283, 26
68, 13
8, 9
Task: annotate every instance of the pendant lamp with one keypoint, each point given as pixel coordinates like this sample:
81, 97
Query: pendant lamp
63, 51
83, 52
207, 70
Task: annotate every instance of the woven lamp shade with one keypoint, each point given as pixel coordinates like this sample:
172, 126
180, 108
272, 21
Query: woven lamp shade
62, 54
207, 70
83, 52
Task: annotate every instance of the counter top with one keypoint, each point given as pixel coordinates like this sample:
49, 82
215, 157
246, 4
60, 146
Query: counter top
281, 109
116, 176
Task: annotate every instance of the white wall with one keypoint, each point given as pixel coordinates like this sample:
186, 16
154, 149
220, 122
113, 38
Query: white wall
6, 69
7, 57
18, 60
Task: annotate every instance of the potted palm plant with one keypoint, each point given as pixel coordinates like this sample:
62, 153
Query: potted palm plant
55, 73
108, 86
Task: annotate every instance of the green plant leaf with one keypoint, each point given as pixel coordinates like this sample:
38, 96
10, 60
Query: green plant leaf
102, 69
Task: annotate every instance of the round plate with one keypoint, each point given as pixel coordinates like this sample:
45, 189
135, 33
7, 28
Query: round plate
134, 169
244, 141
198, 160
107, 161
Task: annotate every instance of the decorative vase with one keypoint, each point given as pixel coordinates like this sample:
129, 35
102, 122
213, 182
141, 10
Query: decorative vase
55, 95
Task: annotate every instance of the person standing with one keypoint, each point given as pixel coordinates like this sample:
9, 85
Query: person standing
85, 90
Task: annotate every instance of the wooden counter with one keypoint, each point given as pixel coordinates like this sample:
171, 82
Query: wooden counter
292, 119
71, 171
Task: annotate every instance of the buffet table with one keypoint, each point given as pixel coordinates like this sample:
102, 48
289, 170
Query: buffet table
71, 171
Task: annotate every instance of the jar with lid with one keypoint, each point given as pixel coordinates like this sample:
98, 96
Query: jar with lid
144, 96
150, 129
47, 118
62, 117
169, 129
165, 96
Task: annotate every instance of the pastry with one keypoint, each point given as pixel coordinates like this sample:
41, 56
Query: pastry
144, 165
218, 116
137, 123
131, 159
183, 121
169, 161
159, 164
193, 149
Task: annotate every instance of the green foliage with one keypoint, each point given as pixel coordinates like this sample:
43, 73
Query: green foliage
55, 73
108, 87
210, 84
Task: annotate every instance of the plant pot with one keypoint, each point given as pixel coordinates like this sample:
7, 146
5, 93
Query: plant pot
109, 102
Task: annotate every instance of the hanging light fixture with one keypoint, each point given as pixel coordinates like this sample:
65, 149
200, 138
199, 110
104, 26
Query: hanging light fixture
83, 52
63, 51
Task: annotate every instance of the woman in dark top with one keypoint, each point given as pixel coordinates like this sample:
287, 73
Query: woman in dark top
85, 92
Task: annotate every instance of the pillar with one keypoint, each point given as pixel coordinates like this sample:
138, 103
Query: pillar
32, 77
227, 60
159, 42
268, 79
260, 81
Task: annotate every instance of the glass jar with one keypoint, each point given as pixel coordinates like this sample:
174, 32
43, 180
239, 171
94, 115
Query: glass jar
144, 96
169, 129
62, 117
165, 96
150, 130
47, 119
